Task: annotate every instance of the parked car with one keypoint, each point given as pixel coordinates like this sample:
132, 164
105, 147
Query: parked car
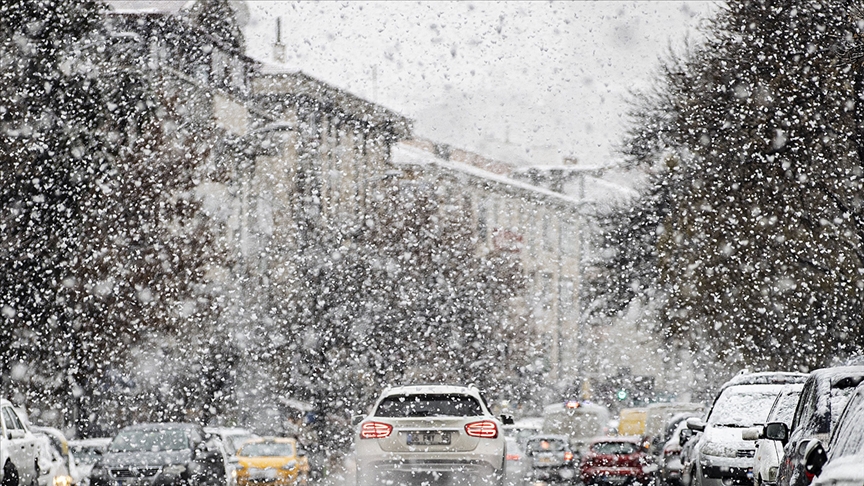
516, 466
163, 454
659, 423
418, 433
85, 453
551, 458
232, 437
273, 461
53, 468
670, 463
720, 455
580, 421
769, 452
617, 460
19, 449
524, 428
824, 395
843, 463
66, 474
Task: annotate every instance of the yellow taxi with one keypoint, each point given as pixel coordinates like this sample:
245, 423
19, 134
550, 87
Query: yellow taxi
275, 461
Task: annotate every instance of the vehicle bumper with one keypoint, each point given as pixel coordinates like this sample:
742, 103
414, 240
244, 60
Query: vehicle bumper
616, 475
560, 473
719, 471
281, 480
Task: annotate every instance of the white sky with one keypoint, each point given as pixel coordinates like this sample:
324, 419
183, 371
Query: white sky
549, 77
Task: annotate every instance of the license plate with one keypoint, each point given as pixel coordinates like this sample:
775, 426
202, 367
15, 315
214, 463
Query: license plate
268, 473
428, 438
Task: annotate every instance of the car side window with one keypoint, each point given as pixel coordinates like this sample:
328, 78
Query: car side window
806, 395
850, 432
11, 419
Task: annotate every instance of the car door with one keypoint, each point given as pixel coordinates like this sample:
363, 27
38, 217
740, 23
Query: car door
803, 411
22, 445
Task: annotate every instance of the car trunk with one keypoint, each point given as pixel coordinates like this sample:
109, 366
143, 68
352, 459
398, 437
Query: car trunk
422, 434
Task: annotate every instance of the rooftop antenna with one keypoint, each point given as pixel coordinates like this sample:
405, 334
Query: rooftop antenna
279, 47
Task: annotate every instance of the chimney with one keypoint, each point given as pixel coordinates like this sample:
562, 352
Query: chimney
279, 47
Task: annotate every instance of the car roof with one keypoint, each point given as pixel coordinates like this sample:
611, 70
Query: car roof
271, 440
161, 426
92, 442
432, 389
837, 373
633, 439
765, 378
228, 431
549, 437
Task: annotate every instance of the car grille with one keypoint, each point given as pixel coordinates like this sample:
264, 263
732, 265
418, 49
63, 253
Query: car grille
134, 472
746, 453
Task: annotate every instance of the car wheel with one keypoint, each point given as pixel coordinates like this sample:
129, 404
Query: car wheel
10, 474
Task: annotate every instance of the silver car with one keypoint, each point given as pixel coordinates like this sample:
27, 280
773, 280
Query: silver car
436, 434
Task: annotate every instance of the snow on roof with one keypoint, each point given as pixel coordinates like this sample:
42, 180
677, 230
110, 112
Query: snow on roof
141, 6
766, 377
403, 154
267, 67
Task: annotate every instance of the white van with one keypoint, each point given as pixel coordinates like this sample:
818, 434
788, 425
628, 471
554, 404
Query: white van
19, 449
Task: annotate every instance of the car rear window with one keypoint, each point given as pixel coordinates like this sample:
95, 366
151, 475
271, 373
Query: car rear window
150, 440
546, 445
618, 448
428, 405
267, 449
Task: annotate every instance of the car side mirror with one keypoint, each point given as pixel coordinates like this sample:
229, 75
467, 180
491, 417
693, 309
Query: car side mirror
776, 431
356, 419
506, 419
696, 424
752, 433
815, 458
685, 435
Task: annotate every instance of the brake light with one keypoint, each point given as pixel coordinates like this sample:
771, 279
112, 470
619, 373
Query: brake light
568, 456
375, 430
485, 429
513, 457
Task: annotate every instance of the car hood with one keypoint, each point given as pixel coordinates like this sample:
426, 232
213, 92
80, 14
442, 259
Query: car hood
727, 436
145, 458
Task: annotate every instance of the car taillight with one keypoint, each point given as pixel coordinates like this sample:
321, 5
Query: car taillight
375, 430
513, 457
568, 456
485, 429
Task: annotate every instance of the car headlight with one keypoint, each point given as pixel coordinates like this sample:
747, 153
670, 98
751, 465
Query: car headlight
62, 480
174, 470
290, 465
718, 450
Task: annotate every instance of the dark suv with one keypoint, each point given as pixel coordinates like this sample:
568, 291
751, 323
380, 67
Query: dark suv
164, 454
825, 393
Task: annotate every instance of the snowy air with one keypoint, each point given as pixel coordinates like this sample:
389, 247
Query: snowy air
431, 243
